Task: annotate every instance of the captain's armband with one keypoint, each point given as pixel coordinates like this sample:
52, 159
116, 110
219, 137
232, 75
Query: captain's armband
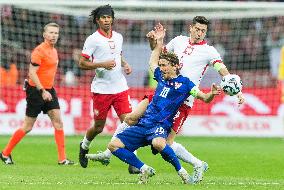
194, 91
218, 66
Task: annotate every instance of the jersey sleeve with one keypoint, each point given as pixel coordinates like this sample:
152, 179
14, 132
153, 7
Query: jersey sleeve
214, 56
36, 57
89, 47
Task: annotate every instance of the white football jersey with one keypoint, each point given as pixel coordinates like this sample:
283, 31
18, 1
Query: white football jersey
98, 48
194, 59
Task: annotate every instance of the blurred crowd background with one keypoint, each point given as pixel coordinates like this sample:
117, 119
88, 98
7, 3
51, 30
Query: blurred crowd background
249, 46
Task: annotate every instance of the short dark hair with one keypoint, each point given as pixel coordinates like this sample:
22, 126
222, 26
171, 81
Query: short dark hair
171, 57
99, 11
200, 20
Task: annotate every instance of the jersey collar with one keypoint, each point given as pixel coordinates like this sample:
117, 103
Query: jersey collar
200, 43
47, 45
103, 34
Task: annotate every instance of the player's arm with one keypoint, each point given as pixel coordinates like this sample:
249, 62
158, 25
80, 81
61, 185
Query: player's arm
151, 35
133, 117
86, 64
223, 71
152, 40
33, 68
206, 97
159, 35
127, 68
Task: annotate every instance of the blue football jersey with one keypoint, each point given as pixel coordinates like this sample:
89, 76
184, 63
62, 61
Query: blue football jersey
168, 97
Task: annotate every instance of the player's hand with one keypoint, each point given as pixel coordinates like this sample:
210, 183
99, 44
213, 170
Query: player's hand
215, 89
159, 34
46, 96
241, 98
109, 64
159, 27
150, 34
127, 69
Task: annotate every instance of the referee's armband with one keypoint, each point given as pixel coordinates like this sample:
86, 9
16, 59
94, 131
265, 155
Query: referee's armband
194, 91
218, 66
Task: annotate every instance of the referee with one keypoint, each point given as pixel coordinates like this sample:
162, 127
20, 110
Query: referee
41, 95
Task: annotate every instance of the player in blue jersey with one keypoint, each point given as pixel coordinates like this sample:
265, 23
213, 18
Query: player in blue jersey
154, 126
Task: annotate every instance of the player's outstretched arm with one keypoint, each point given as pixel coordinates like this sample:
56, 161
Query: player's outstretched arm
208, 97
159, 35
152, 41
151, 35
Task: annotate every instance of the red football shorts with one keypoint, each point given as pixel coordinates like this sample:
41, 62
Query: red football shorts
103, 102
180, 117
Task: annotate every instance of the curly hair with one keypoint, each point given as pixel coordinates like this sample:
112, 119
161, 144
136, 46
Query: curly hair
101, 10
171, 57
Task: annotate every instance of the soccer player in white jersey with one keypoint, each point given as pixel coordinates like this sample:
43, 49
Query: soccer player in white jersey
102, 53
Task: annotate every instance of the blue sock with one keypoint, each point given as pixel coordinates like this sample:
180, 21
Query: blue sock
128, 157
169, 155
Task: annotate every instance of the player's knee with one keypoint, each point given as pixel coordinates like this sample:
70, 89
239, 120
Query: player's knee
113, 146
159, 144
98, 128
171, 137
27, 127
130, 120
170, 141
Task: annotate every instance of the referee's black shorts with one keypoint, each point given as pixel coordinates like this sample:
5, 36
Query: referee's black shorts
36, 104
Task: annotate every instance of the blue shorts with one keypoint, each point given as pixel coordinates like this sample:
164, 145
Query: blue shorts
138, 136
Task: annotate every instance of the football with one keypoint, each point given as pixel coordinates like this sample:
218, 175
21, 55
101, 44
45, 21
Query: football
231, 84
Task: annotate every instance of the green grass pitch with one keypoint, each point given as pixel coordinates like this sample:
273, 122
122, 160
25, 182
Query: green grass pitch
235, 163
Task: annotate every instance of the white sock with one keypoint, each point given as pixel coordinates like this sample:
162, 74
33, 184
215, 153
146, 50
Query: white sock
86, 143
107, 153
182, 170
119, 128
143, 168
185, 155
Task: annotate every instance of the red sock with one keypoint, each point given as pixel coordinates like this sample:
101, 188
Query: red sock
14, 140
59, 139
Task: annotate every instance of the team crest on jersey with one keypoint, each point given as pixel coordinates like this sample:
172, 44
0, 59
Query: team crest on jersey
177, 85
188, 50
